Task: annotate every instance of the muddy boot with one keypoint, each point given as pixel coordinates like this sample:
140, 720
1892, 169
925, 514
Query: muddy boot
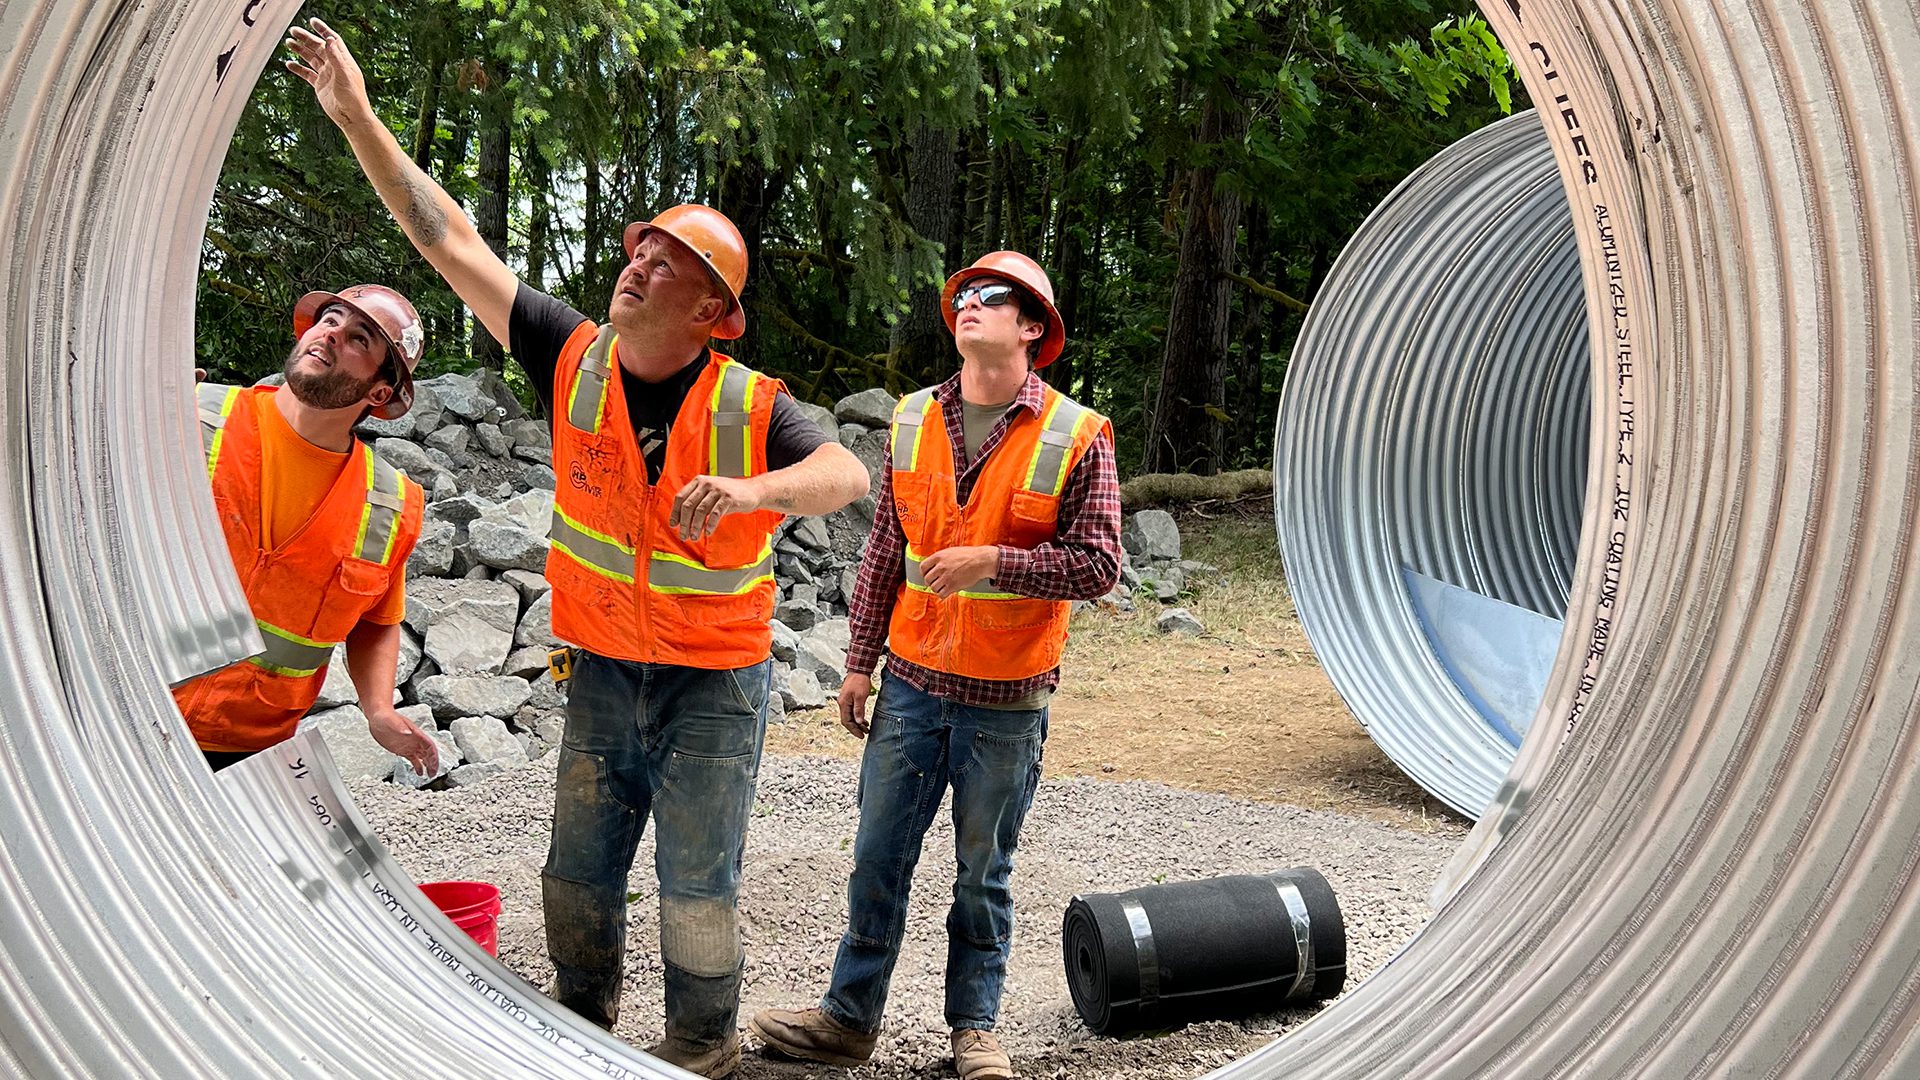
811, 1035
977, 1056
713, 1062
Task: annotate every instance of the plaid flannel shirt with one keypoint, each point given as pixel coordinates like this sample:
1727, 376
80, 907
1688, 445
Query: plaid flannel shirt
1081, 563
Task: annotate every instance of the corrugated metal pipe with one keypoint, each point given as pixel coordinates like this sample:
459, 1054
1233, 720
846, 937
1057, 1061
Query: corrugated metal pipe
1430, 458
1702, 863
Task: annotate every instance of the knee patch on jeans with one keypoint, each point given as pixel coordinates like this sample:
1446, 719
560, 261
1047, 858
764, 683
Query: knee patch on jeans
700, 937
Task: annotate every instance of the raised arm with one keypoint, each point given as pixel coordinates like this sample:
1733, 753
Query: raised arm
431, 219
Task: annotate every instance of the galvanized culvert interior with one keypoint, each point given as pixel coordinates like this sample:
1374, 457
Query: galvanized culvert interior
1430, 458
1702, 863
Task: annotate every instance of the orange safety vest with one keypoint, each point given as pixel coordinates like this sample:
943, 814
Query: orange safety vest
700, 603
982, 632
307, 595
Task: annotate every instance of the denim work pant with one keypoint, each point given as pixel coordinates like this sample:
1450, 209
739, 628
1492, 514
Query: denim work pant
919, 744
683, 743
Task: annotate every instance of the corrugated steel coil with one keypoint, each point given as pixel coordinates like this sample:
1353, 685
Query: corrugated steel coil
1430, 458
1702, 864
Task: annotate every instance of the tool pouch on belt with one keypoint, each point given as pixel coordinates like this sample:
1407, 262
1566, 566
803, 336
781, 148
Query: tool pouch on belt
560, 663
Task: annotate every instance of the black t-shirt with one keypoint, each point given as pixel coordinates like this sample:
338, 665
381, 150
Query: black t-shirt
539, 328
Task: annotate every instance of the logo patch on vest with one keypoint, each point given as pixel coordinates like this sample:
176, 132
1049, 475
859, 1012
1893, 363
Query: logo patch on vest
577, 476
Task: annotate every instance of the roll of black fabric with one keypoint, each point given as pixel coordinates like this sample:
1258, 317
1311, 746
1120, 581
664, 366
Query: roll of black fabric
1165, 955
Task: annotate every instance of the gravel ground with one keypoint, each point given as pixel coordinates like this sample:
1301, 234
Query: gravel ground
1083, 835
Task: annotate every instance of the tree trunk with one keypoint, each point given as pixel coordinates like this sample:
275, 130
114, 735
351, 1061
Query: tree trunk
1070, 271
1252, 411
427, 120
490, 211
919, 342
540, 212
1185, 432
743, 198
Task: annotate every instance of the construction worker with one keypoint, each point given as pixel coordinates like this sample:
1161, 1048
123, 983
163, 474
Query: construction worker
1001, 507
675, 465
318, 526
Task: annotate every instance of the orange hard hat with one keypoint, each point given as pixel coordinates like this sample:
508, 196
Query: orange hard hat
1026, 274
711, 235
390, 313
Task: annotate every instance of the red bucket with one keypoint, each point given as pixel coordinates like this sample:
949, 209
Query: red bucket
474, 906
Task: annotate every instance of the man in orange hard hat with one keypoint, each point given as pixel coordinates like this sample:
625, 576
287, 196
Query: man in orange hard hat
675, 464
1001, 507
318, 527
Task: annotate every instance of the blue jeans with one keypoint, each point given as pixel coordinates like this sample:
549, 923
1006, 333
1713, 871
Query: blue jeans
684, 744
918, 745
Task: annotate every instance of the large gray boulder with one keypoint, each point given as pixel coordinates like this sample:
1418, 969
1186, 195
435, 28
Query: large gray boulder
546, 694
799, 615
798, 689
536, 626
528, 433
785, 642
821, 416
459, 509
872, 450
486, 740
463, 396
451, 440
532, 511
506, 545
532, 584
463, 642
495, 442
431, 599
355, 754
403, 773
528, 663
338, 689
413, 459
432, 554
412, 651
454, 696
427, 412
1151, 535
873, 408
1179, 621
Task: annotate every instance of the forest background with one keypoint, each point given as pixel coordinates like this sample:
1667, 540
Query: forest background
1186, 170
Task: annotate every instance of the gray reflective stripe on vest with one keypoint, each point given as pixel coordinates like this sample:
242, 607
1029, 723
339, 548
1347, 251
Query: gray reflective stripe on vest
289, 654
380, 519
588, 393
216, 404
982, 589
596, 551
1048, 474
728, 450
910, 415
676, 574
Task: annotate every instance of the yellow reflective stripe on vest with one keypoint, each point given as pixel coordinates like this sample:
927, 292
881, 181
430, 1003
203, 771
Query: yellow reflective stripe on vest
289, 654
596, 551
1048, 473
910, 414
670, 573
979, 590
380, 517
216, 404
729, 446
587, 397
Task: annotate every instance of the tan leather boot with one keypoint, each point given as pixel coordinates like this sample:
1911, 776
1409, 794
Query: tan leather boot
713, 1064
811, 1035
977, 1056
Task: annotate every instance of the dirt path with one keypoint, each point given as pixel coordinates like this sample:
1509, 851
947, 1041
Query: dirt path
1244, 710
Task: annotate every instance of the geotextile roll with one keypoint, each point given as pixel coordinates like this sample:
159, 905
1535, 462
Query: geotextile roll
1165, 955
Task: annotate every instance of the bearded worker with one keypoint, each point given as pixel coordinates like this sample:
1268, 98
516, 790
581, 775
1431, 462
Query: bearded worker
319, 528
1001, 507
675, 464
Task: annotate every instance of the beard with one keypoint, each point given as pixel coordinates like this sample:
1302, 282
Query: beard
335, 388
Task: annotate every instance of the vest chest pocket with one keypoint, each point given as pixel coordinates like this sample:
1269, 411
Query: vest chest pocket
356, 587
1033, 520
913, 507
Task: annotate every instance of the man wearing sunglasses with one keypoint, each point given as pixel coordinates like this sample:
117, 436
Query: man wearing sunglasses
675, 464
1000, 508
318, 527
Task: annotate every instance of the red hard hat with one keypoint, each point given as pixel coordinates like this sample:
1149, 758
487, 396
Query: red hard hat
396, 320
1026, 274
710, 235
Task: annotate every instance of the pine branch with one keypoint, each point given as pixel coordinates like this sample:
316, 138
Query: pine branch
1267, 291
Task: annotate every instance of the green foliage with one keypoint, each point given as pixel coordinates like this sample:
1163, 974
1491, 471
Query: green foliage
1076, 127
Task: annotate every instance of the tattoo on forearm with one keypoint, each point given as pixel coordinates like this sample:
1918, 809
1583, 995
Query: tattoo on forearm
424, 217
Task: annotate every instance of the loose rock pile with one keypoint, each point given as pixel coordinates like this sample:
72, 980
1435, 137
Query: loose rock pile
473, 650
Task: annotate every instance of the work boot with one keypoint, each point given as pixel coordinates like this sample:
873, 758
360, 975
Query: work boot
811, 1035
977, 1056
713, 1063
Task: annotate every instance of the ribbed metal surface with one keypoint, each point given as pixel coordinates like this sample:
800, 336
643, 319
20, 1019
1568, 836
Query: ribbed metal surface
1435, 424
1703, 864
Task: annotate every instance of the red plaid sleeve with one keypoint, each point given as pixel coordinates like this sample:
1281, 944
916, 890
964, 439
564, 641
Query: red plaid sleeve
882, 569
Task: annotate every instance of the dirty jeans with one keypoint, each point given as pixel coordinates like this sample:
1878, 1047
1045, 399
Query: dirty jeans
683, 743
919, 744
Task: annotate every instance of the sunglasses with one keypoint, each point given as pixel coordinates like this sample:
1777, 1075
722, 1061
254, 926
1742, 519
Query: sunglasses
990, 295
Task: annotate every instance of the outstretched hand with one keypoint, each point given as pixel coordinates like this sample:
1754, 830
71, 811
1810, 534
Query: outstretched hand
327, 66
